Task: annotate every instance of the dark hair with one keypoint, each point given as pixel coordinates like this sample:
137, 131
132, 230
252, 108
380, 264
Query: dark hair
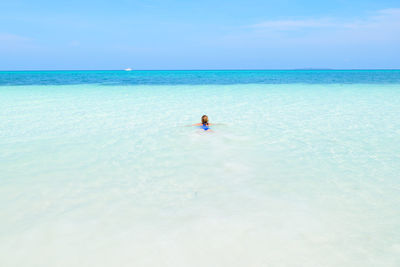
204, 119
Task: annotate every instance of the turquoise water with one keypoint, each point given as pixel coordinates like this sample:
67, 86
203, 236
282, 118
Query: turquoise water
104, 172
199, 77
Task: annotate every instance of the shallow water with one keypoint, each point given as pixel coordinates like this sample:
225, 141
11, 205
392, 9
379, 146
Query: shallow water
295, 175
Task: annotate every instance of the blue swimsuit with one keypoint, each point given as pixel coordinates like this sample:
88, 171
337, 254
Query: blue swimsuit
204, 127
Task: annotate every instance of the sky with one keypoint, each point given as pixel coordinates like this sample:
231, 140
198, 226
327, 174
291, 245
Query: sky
184, 34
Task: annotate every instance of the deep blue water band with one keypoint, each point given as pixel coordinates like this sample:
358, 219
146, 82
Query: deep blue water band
199, 77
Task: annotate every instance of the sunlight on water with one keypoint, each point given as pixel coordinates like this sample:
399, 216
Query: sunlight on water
295, 175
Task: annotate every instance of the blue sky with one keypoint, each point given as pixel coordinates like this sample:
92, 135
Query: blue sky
180, 34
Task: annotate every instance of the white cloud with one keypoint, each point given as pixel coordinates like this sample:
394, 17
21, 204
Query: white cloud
294, 24
390, 11
13, 42
74, 43
378, 29
385, 19
6, 37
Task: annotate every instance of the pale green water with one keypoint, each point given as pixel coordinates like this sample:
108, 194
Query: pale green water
298, 175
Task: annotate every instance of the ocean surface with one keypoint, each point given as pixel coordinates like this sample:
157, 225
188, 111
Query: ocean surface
99, 168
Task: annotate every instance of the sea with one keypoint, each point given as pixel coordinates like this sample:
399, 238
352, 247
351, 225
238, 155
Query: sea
103, 168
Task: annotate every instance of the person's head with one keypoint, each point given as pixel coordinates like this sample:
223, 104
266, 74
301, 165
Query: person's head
204, 119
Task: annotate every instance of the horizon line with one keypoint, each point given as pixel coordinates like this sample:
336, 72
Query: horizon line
291, 69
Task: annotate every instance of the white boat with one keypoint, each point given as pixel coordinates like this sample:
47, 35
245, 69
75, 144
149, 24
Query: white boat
128, 69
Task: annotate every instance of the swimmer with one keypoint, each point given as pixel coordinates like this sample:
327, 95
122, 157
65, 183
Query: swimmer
205, 125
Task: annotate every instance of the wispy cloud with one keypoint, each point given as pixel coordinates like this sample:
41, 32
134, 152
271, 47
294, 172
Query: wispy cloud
74, 43
293, 24
7, 37
386, 18
13, 42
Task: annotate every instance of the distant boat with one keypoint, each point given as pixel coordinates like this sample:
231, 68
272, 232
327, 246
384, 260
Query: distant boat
128, 69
